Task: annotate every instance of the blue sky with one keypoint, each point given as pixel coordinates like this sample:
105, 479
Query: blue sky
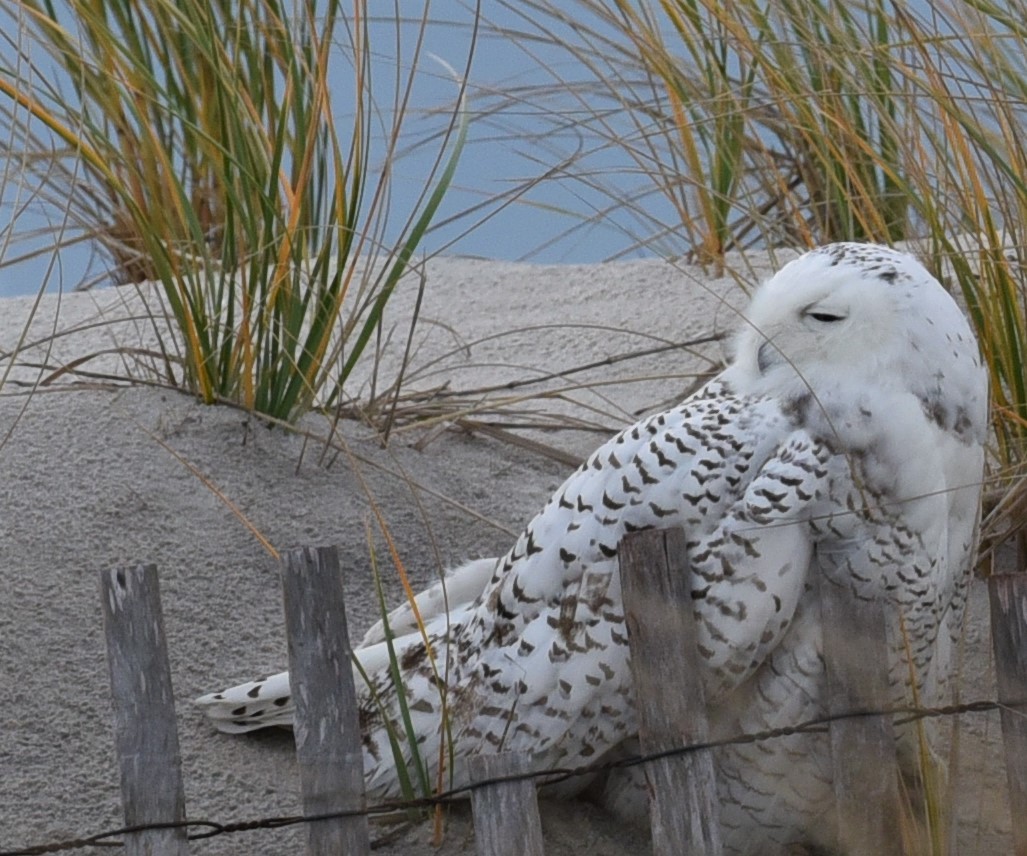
503, 152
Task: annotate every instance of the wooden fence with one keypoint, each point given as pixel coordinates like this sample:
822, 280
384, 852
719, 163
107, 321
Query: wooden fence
670, 705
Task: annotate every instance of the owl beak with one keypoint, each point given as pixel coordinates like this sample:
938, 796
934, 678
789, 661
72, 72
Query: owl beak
766, 356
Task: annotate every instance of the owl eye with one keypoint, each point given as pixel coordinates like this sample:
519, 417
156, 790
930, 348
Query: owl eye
824, 316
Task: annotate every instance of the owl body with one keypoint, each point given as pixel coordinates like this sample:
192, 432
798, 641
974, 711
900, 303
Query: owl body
844, 442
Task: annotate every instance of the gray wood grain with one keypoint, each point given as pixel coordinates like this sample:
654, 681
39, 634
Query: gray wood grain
328, 744
656, 582
1008, 595
143, 705
865, 767
506, 818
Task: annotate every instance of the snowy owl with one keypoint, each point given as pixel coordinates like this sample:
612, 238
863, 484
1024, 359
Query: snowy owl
844, 441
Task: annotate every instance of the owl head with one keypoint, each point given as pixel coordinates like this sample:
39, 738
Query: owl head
849, 320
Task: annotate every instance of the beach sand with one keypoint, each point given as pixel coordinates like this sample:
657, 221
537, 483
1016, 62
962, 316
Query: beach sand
96, 472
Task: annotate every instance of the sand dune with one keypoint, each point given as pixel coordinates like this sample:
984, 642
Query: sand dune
88, 482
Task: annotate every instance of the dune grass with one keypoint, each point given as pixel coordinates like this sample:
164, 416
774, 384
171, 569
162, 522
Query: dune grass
753, 125
196, 142
211, 161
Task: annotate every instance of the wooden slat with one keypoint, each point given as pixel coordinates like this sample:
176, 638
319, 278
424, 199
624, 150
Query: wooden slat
145, 734
328, 745
506, 818
656, 582
1008, 595
863, 756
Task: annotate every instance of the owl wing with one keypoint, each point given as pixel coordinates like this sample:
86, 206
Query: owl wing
548, 635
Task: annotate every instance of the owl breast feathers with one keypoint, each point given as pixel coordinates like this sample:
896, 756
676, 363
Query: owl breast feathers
844, 442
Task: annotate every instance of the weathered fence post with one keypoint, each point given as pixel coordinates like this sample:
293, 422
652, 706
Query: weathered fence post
1008, 595
145, 735
863, 756
506, 818
328, 743
669, 697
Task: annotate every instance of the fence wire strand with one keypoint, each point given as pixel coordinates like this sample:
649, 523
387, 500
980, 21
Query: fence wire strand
209, 829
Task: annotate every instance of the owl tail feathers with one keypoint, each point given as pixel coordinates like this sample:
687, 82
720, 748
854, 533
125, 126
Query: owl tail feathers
267, 702
457, 590
263, 703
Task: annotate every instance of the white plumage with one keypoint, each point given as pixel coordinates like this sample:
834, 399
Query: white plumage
843, 441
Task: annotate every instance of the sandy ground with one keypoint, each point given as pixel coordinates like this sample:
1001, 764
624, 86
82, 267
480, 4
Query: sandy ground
87, 482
